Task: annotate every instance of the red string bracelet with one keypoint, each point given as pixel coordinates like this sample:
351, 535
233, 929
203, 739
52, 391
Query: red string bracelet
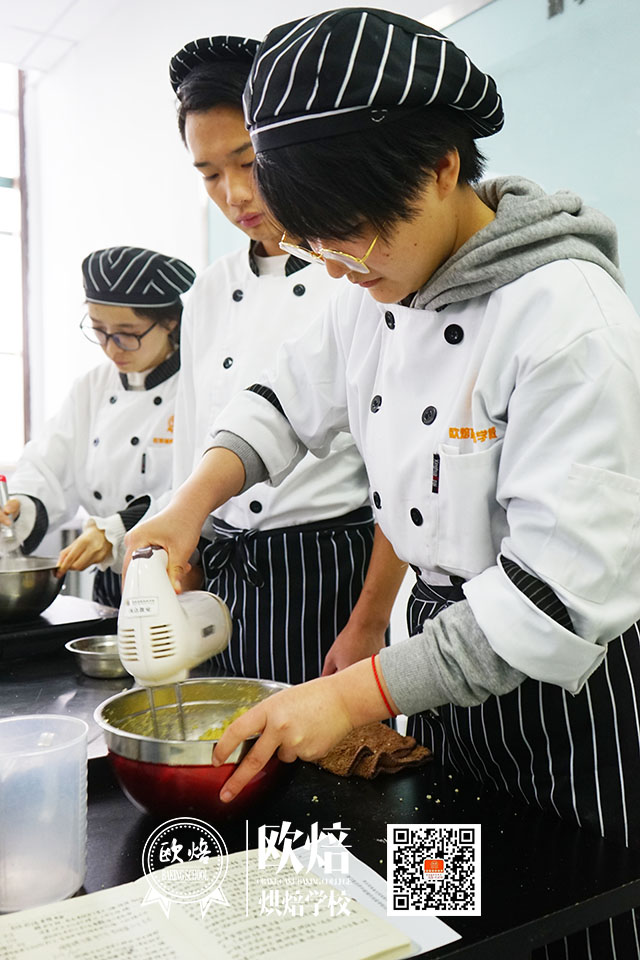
375, 673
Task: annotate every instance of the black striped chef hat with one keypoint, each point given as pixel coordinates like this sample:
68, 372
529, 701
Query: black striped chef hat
209, 50
134, 277
344, 70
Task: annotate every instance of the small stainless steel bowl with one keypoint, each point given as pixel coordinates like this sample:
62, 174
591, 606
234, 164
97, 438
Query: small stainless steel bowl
28, 585
98, 656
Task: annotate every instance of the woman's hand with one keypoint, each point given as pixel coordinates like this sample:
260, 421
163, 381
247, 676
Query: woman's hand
9, 512
176, 533
364, 633
304, 721
352, 644
193, 579
90, 547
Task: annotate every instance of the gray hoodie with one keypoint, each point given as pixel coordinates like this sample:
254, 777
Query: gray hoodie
531, 228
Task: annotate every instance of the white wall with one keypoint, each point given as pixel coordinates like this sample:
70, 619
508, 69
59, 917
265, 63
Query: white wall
572, 111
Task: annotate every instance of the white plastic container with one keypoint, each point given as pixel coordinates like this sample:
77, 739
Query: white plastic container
43, 809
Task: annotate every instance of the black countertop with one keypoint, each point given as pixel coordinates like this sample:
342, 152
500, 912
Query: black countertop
66, 619
37, 674
541, 878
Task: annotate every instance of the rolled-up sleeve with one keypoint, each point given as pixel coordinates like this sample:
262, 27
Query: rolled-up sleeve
569, 481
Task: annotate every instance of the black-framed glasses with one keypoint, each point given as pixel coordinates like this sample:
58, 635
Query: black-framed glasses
357, 264
125, 341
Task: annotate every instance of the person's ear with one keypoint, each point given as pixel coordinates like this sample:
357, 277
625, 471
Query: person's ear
447, 172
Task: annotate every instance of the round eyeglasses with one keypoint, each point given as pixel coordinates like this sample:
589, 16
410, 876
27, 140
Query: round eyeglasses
319, 256
125, 341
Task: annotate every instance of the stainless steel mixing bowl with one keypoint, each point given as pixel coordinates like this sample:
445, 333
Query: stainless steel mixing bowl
98, 656
167, 776
27, 586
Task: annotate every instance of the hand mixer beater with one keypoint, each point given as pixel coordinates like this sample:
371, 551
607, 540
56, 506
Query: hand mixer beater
161, 635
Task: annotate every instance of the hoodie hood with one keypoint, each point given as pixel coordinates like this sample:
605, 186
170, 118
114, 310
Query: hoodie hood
531, 228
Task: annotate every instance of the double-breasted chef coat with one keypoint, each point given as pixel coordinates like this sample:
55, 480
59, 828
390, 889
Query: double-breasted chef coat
107, 445
239, 312
502, 424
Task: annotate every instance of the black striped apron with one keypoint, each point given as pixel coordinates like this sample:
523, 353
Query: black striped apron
575, 756
290, 591
107, 588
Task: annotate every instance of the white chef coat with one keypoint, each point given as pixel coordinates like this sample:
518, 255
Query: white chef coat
105, 447
527, 398
233, 325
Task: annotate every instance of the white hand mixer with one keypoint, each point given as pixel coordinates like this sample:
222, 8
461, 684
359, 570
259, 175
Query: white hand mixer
161, 635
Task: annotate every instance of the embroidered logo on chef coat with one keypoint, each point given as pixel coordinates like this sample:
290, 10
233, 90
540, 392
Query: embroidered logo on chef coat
169, 430
468, 433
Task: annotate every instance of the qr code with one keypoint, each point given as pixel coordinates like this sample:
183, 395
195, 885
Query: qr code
433, 870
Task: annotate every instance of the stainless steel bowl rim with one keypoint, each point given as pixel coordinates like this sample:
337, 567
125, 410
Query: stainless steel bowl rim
107, 646
104, 662
136, 746
24, 564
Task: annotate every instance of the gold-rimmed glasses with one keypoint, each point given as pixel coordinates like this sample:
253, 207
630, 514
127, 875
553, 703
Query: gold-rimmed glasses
321, 254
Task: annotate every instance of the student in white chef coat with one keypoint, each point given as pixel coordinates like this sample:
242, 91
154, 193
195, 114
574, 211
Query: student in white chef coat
487, 361
108, 449
290, 562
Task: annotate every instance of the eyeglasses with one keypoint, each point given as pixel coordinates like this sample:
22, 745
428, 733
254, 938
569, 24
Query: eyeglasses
312, 256
125, 341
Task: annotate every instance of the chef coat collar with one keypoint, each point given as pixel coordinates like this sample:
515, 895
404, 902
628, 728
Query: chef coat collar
159, 374
292, 265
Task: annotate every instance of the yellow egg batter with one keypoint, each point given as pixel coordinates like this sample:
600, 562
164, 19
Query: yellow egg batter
214, 733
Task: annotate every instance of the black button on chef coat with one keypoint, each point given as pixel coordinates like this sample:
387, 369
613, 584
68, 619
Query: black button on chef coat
376, 403
237, 295
112, 399
134, 441
416, 516
255, 506
227, 362
377, 502
454, 333
97, 495
96, 441
429, 414
390, 320
299, 290
157, 401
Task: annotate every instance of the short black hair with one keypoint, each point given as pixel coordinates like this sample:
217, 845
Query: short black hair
211, 85
330, 188
164, 316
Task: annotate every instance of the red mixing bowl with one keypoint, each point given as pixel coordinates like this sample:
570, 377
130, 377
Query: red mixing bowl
168, 776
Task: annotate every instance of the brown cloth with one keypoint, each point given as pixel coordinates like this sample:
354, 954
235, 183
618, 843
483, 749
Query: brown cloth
373, 749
